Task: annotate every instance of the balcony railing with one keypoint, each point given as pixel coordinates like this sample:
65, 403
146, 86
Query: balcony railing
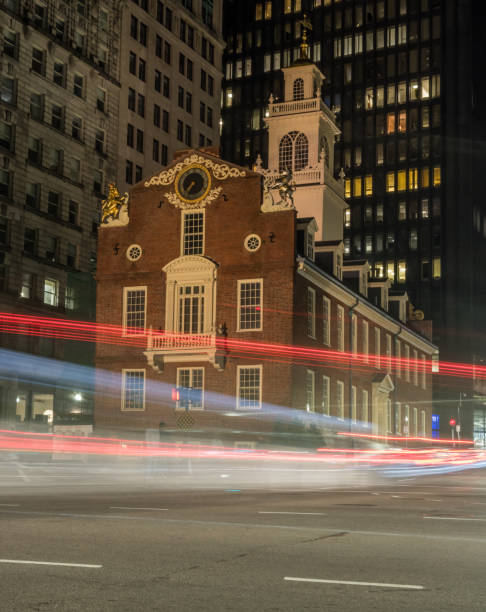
174, 342
176, 347
301, 106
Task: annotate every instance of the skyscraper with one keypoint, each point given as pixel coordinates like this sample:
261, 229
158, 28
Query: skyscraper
59, 97
400, 78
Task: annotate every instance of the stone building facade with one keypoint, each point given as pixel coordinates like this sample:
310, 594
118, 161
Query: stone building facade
59, 94
170, 75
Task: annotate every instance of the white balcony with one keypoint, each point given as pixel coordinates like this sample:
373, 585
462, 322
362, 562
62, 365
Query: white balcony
308, 105
181, 348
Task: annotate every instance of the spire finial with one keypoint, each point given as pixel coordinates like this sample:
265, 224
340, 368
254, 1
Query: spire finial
305, 25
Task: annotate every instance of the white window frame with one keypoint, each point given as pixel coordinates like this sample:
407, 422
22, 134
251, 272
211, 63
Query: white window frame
125, 371
55, 284
340, 328
326, 395
398, 357
365, 406
240, 283
388, 353
415, 367
326, 320
340, 400
389, 416
354, 404
311, 312
423, 419
354, 333
424, 372
185, 213
366, 340
398, 417
126, 330
415, 420
310, 391
406, 363
191, 370
238, 378
377, 347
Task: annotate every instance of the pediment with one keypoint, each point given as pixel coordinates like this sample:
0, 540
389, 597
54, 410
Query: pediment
383, 383
191, 266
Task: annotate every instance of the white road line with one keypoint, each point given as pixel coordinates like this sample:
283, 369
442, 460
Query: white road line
134, 508
49, 563
10, 505
453, 518
416, 587
307, 513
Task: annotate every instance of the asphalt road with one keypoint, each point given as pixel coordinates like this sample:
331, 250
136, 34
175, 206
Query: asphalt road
407, 544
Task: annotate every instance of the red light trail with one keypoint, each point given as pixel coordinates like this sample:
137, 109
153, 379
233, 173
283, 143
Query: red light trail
67, 329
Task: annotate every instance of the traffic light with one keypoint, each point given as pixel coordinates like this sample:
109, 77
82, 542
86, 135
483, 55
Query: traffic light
452, 422
176, 394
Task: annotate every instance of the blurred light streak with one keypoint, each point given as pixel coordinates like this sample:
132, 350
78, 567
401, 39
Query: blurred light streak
68, 329
405, 439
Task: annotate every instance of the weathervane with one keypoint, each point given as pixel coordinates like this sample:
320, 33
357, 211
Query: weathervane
304, 45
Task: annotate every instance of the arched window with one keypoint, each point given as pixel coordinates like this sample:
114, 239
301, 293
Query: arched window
299, 89
293, 152
301, 152
285, 153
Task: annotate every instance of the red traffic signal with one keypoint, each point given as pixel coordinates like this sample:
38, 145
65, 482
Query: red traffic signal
452, 422
176, 396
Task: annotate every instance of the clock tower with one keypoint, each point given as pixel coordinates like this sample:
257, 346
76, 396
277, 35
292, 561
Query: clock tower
301, 132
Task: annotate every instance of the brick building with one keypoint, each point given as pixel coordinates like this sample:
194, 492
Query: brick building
208, 268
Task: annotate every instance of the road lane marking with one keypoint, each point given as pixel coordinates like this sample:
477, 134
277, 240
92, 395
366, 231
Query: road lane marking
416, 587
18, 561
280, 512
198, 522
10, 505
134, 508
454, 518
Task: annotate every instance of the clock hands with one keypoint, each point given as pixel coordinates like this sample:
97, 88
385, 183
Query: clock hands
191, 186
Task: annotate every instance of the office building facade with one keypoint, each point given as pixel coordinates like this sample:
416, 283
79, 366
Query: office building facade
399, 77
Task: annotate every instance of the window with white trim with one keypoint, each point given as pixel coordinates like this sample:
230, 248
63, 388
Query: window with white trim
388, 353
415, 367
192, 233
354, 333
310, 379
415, 421
191, 309
133, 390
326, 395
423, 373
51, 292
354, 415
250, 304
134, 309
340, 399
398, 417
377, 347
190, 384
406, 420
340, 328
398, 357
407, 363
298, 89
249, 387
422, 423
364, 406
388, 416
311, 312
326, 317
366, 340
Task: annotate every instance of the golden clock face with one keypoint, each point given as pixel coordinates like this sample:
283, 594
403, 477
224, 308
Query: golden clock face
193, 184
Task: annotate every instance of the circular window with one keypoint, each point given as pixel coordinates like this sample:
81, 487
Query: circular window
134, 252
253, 242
